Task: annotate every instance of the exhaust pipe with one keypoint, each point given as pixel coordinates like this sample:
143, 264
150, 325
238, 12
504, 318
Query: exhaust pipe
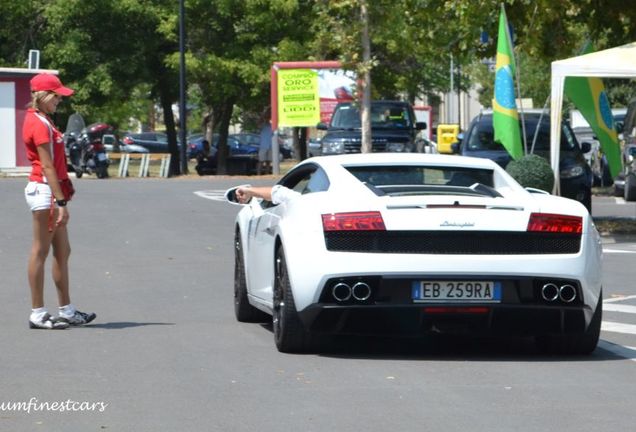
341, 292
550, 292
361, 291
567, 293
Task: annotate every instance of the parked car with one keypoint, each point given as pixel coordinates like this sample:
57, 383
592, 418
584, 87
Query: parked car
242, 158
574, 172
411, 244
392, 122
314, 147
114, 145
155, 142
625, 183
253, 139
595, 157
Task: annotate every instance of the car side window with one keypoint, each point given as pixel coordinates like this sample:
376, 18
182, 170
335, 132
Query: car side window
307, 180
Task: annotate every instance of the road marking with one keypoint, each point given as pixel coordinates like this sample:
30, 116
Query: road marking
615, 327
619, 200
619, 298
618, 251
619, 308
214, 195
620, 350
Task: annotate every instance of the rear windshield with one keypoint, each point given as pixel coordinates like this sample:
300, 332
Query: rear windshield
417, 179
482, 135
383, 116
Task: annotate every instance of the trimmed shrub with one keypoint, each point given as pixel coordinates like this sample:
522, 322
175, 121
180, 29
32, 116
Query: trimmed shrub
532, 171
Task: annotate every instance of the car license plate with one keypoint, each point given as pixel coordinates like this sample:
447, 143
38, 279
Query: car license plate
456, 291
101, 157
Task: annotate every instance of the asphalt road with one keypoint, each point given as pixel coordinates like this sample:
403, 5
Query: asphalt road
153, 258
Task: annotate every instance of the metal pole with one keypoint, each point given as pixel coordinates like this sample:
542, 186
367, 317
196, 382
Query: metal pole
450, 94
182, 90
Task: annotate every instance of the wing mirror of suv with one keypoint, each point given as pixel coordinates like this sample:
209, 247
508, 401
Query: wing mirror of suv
420, 125
586, 147
454, 148
322, 126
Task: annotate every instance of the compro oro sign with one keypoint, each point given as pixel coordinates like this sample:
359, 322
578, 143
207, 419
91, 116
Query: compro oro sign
298, 97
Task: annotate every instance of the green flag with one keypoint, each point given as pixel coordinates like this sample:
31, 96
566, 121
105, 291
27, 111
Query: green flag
589, 97
505, 117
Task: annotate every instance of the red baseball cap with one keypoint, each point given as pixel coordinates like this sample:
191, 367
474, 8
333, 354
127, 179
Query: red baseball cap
49, 82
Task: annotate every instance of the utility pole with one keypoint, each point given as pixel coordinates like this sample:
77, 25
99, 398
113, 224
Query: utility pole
182, 90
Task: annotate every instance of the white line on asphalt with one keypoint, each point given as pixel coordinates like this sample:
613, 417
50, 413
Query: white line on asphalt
620, 350
615, 327
619, 200
611, 307
214, 195
618, 299
618, 251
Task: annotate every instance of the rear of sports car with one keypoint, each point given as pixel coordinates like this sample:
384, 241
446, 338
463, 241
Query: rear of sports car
411, 265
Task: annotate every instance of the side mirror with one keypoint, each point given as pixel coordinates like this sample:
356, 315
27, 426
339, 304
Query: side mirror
322, 126
420, 125
454, 147
230, 195
586, 147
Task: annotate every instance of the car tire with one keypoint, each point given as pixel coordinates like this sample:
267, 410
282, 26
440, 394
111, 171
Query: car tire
290, 335
243, 310
580, 344
630, 187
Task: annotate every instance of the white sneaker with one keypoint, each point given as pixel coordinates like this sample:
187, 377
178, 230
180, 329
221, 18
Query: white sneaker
47, 322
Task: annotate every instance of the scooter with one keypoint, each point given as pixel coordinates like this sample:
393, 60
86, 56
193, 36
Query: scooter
87, 153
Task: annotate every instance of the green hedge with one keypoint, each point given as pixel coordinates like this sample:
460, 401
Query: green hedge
532, 171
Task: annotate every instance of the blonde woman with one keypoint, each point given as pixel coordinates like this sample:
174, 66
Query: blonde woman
48, 192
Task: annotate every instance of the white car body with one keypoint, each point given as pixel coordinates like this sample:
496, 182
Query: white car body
312, 269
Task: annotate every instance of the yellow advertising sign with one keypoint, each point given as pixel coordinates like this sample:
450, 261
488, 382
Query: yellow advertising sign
298, 97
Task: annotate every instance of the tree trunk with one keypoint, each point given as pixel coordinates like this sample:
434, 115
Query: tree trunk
223, 117
365, 109
168, 119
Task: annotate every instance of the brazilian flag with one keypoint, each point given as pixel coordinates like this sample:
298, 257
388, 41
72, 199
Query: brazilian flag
505, 117
589, 97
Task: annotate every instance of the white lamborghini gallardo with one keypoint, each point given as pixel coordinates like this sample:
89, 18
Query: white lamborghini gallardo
407, 244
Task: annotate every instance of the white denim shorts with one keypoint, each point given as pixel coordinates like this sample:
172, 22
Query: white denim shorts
38, 196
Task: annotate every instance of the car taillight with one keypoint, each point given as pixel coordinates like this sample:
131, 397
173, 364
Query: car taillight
555, 223
128, 140
358, 221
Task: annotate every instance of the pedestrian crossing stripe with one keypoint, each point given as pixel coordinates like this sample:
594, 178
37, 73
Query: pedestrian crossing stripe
616, 327
611, 307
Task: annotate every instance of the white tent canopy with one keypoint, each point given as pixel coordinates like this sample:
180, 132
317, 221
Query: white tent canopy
619, 62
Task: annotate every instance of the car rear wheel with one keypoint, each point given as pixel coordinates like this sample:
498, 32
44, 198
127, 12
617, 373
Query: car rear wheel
243, 310
289, 333
583, 343
630, 187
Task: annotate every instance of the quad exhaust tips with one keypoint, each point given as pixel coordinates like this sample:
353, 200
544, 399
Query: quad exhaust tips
551, 292
342, 292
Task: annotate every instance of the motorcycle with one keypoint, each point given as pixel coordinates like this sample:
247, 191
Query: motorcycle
87, 153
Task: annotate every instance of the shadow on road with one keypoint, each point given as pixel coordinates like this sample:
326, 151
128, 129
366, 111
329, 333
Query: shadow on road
125, 324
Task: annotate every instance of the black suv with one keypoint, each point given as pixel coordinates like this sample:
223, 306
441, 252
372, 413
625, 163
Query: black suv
575, 174
392, 122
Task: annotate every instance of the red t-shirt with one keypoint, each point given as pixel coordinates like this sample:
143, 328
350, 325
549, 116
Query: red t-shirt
38, 129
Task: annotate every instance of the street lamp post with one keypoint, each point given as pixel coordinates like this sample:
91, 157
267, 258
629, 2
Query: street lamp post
182, 90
